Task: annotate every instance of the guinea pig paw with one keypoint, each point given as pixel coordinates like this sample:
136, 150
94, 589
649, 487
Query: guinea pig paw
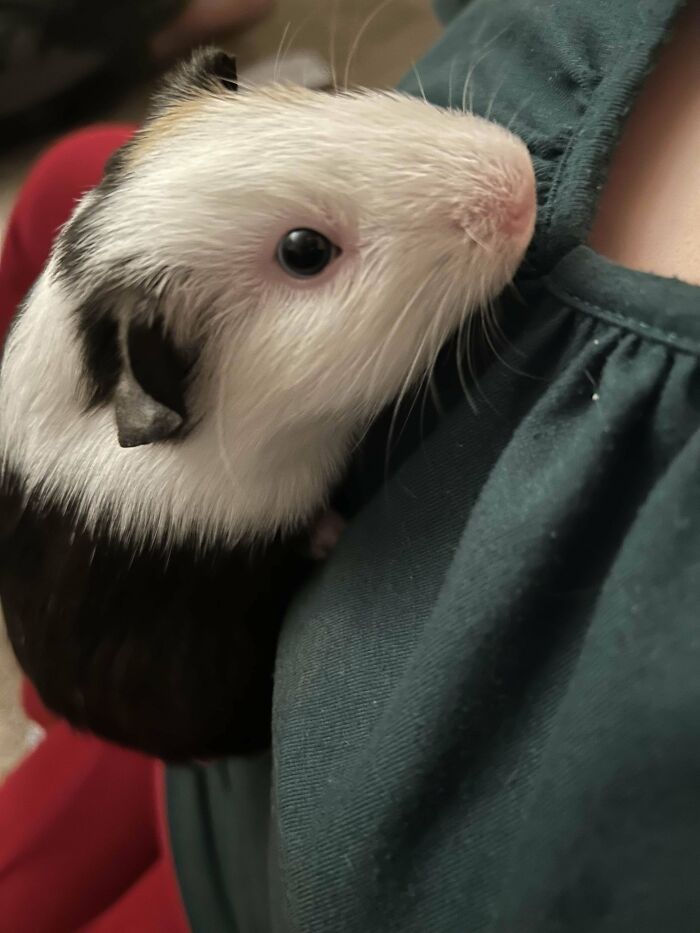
325, 534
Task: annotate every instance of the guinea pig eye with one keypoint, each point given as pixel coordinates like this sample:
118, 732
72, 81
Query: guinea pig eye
304, 253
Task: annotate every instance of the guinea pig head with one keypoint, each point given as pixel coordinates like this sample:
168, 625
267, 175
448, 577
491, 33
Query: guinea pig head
293, 260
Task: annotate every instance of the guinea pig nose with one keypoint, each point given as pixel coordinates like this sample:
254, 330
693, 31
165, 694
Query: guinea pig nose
517, 214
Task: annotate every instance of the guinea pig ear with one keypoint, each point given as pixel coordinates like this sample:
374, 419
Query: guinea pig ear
149, 398
212, 67
208, 69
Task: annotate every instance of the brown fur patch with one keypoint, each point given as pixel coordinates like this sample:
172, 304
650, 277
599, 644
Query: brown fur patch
167, 123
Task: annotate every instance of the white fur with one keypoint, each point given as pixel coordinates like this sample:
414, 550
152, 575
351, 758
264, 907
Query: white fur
291, 372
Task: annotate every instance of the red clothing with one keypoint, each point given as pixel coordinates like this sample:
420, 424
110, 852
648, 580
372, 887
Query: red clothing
83, 843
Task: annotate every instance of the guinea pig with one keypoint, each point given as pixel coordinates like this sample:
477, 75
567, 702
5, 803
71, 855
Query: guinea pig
259, 273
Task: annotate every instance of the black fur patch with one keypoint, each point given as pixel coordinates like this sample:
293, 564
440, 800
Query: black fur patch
169, 653
159, 368
208, 69
212, 64
79, 232
116, 168
98, 331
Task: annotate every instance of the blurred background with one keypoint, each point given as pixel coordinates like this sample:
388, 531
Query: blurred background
386, 38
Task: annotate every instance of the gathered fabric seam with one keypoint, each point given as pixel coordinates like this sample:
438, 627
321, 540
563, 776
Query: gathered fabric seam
650, 331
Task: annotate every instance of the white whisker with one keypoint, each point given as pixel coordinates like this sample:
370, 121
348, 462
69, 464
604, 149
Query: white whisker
475, 64
293, 37
333, 30
519, 110
280, 47
429, 337
358, 38
450, 78
498, 87
493, 330
420, 83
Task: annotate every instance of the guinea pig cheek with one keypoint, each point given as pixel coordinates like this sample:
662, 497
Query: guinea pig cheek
272, 272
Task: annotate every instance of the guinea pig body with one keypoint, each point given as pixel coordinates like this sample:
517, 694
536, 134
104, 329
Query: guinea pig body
169, 651
258, 274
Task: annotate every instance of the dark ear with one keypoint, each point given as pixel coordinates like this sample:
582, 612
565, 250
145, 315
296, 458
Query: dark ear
212, 68
208, 69
150, 396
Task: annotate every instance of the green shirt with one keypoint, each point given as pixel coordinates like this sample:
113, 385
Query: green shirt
487, 703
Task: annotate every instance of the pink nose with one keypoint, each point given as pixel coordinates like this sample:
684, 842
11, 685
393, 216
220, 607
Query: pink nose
518, 215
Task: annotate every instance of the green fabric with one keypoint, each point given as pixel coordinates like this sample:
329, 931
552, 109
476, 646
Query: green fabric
487, 703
